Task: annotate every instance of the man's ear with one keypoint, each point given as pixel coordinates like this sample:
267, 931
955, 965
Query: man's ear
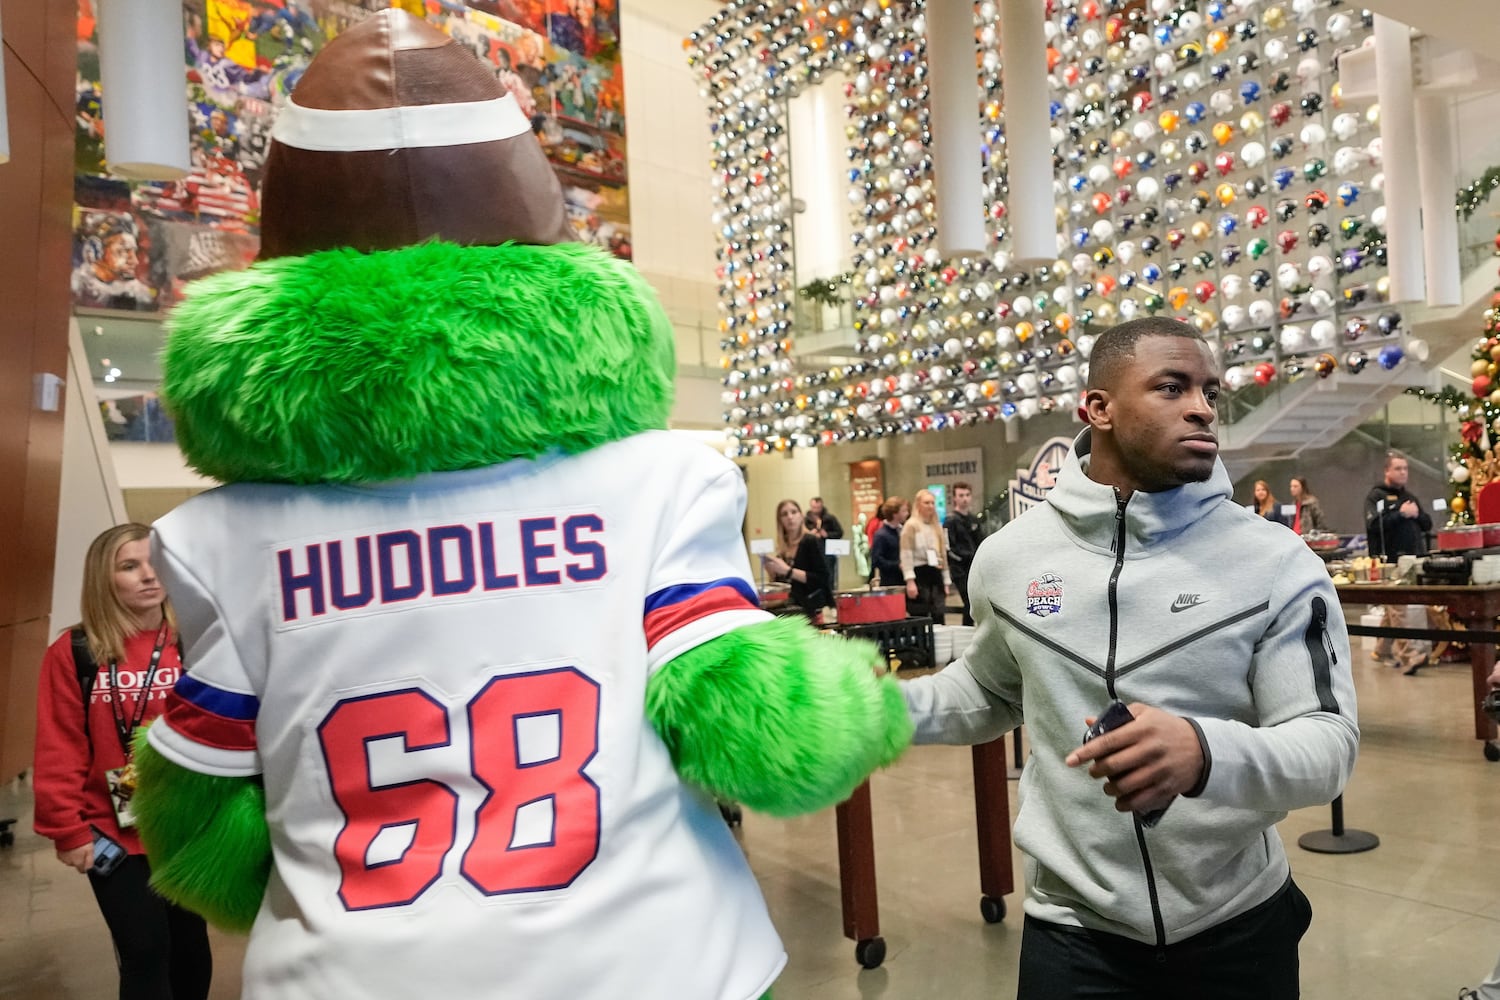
1096, 409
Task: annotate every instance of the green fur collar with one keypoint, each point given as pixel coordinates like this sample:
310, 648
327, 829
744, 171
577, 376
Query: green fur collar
346, 367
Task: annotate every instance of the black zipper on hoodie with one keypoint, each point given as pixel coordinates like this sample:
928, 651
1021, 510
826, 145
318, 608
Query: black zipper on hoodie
1114, 582
1109, 680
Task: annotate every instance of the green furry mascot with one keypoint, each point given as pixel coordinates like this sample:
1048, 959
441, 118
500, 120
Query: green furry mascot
472, 641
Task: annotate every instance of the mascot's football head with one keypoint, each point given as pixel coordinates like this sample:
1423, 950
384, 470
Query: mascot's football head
419, 304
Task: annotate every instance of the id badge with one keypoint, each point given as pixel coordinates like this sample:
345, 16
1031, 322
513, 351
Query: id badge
932, 557
121, 782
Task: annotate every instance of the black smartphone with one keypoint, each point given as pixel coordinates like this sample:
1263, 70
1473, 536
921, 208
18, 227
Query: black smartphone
1113, 717
108, 853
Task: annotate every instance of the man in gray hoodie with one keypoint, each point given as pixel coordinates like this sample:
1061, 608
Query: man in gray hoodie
1141, 582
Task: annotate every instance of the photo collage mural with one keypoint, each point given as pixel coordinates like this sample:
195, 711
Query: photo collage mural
137, 244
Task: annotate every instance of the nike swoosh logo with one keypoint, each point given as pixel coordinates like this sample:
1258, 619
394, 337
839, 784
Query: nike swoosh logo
1181, 606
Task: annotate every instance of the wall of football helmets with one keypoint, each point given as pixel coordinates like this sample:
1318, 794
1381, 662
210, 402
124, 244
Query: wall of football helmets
1206, 167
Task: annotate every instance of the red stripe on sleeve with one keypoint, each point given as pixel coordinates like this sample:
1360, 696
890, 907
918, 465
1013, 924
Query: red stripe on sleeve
207, 728
664, 621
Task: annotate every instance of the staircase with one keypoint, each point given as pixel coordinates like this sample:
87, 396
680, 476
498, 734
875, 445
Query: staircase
1317, 413
1312, 413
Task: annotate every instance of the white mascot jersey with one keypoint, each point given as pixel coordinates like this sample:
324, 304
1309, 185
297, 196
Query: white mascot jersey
442, 683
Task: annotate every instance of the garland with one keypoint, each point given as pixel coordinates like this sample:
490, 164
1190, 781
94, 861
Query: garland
1476, 193
827, 291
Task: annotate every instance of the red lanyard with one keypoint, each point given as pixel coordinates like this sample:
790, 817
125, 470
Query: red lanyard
143, 696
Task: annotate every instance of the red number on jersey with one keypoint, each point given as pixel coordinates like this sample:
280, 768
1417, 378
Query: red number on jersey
514, 776
421, 723
491, 862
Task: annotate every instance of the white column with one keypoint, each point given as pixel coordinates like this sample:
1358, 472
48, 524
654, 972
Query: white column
1398, 133
815, 133
4, 120
1028, 144
953, 99
1437, 162
142, 68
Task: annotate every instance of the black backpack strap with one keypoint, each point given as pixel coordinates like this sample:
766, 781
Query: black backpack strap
88, 672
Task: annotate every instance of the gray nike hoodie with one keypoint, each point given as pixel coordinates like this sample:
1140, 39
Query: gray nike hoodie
1185, 601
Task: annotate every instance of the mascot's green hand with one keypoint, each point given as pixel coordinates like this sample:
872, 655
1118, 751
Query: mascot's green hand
778, 716
206, 836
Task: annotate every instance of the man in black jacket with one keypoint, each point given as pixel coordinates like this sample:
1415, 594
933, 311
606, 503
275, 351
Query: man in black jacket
1395, 526
831, 529
965, 532
1395, 522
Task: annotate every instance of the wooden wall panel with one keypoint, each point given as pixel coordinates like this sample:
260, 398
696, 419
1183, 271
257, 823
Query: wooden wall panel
36, 194
21, 649
20, 196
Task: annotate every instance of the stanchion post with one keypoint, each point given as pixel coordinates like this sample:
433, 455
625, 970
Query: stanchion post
1338, 840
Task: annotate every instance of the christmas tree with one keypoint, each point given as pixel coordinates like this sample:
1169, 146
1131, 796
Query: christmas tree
1473, 463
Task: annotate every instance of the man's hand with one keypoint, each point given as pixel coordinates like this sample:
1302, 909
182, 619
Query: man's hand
81, 858
1147, 762
1495, 677
1410, 509
911, 588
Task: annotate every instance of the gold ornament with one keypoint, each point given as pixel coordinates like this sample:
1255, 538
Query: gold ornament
1483, 471
1479, 367
1458, 505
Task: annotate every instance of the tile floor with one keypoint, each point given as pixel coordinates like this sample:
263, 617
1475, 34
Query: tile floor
1414, 919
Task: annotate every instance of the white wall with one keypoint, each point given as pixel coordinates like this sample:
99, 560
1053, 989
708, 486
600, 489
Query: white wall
671, 196
143, 466
770, 479
90, 499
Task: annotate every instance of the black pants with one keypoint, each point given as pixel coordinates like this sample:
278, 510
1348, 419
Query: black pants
930, 599
961, 584
162, 950
1249, 957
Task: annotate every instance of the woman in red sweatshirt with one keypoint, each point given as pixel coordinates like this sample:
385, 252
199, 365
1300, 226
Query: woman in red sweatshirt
83, 751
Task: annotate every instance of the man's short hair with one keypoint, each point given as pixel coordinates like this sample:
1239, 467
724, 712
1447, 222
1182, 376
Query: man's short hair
816, 500
1395, 456
962, 486
1115, 347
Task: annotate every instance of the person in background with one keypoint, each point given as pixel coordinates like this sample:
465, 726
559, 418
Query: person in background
1490, 988
885, 550
1309, 516
799, 560
924, 561
1395, 523
1396, 526
1265, 502
83, 757
965, 532
831, 529
861, 547
873, 525
1155, 871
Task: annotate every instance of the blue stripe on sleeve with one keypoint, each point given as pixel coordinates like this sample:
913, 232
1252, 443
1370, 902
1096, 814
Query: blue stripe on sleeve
687, 591
217, 700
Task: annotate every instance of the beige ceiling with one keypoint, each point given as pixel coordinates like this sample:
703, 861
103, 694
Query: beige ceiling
1473, 24
679, 15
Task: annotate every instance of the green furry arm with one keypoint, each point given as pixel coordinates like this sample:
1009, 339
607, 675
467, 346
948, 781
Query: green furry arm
778, 716
206, 836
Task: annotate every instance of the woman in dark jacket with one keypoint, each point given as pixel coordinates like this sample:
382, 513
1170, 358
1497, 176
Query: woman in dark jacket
799, 560
1309, 512
885, 552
